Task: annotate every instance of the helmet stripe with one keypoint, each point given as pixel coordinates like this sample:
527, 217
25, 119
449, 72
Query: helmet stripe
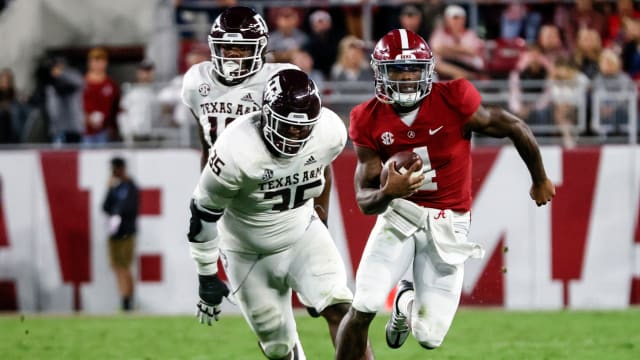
404, 41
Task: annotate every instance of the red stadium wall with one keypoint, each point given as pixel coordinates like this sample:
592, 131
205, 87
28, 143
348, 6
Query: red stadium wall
583, 251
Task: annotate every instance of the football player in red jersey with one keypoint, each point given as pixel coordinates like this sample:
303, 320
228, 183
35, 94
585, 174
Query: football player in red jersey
423, 220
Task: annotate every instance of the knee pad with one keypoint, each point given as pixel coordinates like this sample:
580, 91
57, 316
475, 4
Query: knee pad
266, 320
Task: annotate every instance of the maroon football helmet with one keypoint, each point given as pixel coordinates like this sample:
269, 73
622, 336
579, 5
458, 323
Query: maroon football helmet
290, 110
400, 51
238, 43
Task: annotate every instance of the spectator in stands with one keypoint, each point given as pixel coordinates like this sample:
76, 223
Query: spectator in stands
412, 18
615, 23
101, 100
121, 205
191, 14
63, 102
529, 78
433, 12
586, 54
304, 61
517, 20
567, 88
323, 41
569, 20
169, 95
550, 48
13, 111
287, 37
631, 48
458, 50
612, 79
352, 63
139, 107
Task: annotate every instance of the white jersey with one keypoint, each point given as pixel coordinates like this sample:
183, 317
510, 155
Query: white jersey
217, 104
267, 199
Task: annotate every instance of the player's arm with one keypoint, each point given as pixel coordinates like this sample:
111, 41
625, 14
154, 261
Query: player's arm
321, 203
373, 199
499, 123
207, 205
204, 145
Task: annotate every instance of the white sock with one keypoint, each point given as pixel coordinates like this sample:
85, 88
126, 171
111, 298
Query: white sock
405, 302
301, 355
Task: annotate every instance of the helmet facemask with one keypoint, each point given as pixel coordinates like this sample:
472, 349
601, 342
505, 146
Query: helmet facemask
238, 68
289, 134
392, 88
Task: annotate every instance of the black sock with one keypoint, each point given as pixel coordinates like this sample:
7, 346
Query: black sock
126, 303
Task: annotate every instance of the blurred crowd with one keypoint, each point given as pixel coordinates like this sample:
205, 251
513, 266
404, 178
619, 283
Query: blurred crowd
553, 57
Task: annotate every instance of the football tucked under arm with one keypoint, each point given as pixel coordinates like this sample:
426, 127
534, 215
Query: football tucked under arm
403, 161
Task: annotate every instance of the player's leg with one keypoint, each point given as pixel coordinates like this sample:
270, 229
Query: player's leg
438, 286
398, 328
317, 273
385, 259
264, 299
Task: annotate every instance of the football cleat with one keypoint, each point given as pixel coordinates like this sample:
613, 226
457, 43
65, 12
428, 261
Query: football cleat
397, 328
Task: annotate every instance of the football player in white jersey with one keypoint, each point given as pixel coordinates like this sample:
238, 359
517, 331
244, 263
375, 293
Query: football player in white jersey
253, 208
231, 84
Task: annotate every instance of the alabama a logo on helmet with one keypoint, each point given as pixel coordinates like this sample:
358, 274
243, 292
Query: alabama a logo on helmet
204, 89
387, 138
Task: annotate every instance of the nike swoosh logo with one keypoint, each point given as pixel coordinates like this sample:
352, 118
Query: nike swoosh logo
434, 131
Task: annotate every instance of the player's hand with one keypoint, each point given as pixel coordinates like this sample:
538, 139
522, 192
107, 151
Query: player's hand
211, 292
401, 185
543, 192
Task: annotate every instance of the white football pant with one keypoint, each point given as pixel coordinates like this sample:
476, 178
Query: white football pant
438, 284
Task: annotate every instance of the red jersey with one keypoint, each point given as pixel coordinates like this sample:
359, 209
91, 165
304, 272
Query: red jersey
436, 135
103, 97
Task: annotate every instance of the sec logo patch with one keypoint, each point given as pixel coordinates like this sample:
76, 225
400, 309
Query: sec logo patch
204, 89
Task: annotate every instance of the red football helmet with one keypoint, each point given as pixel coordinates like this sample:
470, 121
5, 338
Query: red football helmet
238, 42
399, 53
291, 108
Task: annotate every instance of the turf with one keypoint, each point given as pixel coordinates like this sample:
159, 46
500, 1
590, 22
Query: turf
476, 334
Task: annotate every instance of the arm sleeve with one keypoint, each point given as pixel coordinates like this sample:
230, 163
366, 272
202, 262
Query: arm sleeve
218, 185
186, 93
220, 179
338, 132
107, 204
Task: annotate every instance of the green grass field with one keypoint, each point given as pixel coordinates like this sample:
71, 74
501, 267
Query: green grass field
476, 334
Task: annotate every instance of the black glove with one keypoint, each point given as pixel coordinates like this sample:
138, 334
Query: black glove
211, 292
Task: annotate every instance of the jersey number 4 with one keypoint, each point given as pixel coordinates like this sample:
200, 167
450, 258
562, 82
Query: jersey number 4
428, 172
298, 198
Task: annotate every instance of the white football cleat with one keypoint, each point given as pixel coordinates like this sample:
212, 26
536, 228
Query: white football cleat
397, 328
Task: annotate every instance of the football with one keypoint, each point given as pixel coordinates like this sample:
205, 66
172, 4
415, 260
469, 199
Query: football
403, 160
